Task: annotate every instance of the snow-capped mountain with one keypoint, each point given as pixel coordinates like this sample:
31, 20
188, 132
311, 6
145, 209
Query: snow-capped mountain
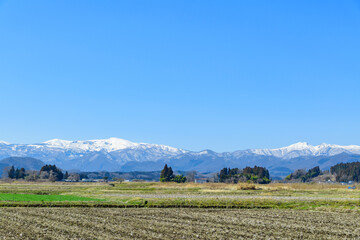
305, 149
106, 145
116, 154
90, 155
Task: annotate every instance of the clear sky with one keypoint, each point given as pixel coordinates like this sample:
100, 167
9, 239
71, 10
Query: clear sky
220, 75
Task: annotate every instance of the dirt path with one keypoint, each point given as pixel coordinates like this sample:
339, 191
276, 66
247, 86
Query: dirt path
205, 196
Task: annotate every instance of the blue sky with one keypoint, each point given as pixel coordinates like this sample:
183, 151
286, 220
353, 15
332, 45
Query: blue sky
221, 75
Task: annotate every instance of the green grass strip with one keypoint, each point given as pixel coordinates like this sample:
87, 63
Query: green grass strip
43, 198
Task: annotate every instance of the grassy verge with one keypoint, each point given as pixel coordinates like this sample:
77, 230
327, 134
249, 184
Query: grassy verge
44, 198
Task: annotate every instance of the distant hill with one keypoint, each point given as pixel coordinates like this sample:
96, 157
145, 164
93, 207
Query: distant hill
23, 162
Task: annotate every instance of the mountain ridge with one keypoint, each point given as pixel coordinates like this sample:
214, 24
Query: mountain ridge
115, 154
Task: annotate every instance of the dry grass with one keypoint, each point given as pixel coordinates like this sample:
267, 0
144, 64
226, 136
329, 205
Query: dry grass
271, 186
247, 186
303, 186
212, 186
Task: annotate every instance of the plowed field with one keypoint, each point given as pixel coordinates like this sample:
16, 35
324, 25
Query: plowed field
99, 223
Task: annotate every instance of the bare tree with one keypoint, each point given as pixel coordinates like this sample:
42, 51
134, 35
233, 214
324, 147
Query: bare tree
190, 176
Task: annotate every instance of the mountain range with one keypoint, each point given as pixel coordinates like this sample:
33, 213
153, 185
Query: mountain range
116, 154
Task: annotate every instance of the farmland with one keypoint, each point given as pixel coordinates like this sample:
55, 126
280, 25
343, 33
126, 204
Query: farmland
178, 211
178, 223
288, 196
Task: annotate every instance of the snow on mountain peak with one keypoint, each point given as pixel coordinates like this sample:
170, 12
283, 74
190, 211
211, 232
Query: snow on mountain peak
58, 142
4, 143
109, 145
305, 149
298, 146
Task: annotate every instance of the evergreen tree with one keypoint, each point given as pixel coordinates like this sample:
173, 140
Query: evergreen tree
170, 175
17, 173
22, 173
164, 173
66, 175
11, 173
167, 175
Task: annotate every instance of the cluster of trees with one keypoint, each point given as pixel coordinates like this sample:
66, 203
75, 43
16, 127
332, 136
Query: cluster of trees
255, 175
303, 176
52, 173
47, 172
16, 173
167, 175
345, 172
229, 175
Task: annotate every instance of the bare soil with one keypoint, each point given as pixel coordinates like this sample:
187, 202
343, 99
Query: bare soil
179, 223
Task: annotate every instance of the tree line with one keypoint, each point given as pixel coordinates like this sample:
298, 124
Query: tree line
345, 172
16, 173
47, 172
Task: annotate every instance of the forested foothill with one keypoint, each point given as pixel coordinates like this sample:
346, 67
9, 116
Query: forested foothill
342, 172
345, 172
304, 176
